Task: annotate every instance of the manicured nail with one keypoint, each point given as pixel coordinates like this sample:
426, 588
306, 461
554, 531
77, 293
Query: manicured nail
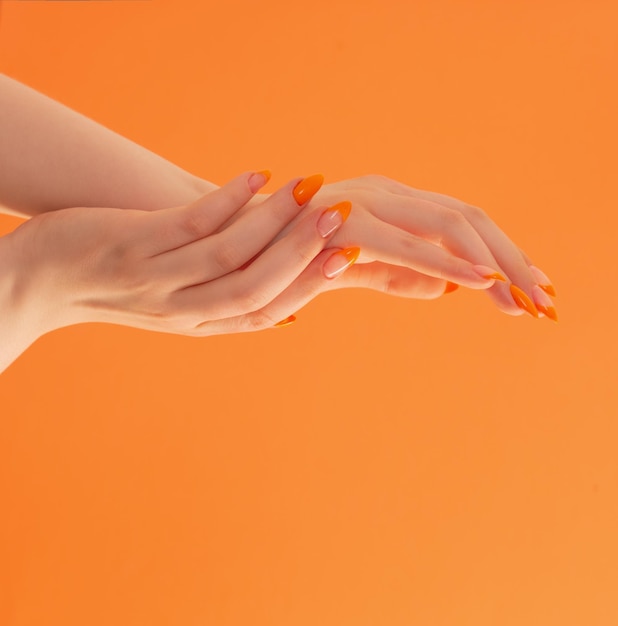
340, 261
450, 287
306, 188
488, 272
286, 322
542, 280
544, 303
333, 217
258, 180
523, 301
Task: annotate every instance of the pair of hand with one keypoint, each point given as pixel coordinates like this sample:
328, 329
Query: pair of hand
234, 261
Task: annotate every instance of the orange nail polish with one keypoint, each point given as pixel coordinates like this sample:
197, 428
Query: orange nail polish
488, 272
544, 303
543, 281
340, 261
307, 188
344, 209
286, 322
523, 301
549, 311
333, 218
549, 289
450, 287
266, 174
258, 180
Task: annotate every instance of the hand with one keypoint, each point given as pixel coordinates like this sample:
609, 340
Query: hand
414, 243
177, 270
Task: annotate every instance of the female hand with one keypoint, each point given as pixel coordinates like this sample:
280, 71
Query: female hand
177, 270
420, 244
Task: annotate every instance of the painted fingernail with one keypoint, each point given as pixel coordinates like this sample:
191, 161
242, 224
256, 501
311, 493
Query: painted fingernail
542, 280
258, 180
523, 301
450, 287
334, 217
488, 272
286, 322
544, 303
340, 261
306, 188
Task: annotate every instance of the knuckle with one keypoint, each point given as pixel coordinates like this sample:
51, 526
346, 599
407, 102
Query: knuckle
408, 245
305, 255
166, 312
390, 281
374, 179
140, 281
172, 317
162, 232
259, 320
454, 267
386, 281
453, 219
193, 224
227, 256
249, 300
473, 212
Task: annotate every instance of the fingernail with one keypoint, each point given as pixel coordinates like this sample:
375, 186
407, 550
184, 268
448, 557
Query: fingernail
523, 301
286, 322
340, 261
306, 188
334, 217
258, 180
543, 280
488, 272
544, 303
450, 287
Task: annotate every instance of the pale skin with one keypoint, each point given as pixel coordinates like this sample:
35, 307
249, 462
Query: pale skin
118, 234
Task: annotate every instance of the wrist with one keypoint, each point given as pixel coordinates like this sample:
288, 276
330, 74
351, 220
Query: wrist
18, 324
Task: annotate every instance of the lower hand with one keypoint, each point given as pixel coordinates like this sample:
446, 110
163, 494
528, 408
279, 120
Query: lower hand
414, 243
179, 270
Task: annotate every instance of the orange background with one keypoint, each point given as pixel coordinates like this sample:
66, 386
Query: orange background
383, 461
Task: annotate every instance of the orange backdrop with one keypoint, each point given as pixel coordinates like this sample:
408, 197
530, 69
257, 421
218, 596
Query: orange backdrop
382, 461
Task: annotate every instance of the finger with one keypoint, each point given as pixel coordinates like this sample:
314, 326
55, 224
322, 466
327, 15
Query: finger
396, 246
247, 290
542, 280
309, 284
229, 249
392, 280
303, 192
514, 297
451, 229
179, 226
441, 225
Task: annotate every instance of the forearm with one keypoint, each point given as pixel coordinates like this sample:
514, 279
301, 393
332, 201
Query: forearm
52, 157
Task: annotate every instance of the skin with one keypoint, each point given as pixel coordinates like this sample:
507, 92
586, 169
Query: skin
408, 235
97, 201
177, 270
